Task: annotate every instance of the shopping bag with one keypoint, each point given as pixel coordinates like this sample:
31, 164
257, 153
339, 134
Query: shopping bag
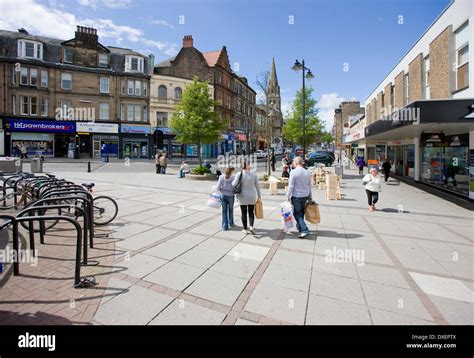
259, 209
286, 213
215, 199
311, 212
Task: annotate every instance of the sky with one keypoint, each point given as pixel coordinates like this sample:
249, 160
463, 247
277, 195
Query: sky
349, 45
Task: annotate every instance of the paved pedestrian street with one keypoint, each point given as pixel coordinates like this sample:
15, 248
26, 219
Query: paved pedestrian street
167, 262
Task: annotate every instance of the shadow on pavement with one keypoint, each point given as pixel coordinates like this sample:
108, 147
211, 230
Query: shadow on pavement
327, 233
38, 318
391, 210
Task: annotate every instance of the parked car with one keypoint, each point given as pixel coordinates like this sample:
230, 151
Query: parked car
261, 153
319, 157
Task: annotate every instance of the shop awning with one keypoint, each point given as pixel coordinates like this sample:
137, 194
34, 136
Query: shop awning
447, 116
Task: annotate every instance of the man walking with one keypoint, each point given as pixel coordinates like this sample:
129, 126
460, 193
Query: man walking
386, 166
299, 192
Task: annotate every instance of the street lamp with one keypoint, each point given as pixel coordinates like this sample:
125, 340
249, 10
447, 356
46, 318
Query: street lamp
306, 72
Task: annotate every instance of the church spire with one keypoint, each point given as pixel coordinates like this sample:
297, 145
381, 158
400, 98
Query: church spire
273, 75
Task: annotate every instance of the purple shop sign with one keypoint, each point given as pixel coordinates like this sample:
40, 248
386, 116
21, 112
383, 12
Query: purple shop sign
27, 125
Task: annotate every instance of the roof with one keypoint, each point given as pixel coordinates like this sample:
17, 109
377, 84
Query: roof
124, 51
21, 35
166, 63
211, 57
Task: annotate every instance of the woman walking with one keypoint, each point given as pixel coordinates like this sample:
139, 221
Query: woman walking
360, 163
157, 163
250, 192
163, 163
224, 185
372, 188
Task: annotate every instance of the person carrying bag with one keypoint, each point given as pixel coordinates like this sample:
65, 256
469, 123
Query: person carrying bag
312, 213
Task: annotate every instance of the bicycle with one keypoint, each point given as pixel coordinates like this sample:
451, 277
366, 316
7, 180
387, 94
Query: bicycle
105, 208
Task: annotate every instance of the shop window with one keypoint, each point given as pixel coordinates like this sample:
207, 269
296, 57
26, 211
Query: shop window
44, 107
162, 92
462, 72
24, 76
66, 81
44, 78
103, 111
104, 85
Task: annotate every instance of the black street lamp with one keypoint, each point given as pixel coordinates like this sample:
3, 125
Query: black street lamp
301, 67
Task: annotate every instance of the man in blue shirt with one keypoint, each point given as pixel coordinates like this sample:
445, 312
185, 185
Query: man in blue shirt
299, 192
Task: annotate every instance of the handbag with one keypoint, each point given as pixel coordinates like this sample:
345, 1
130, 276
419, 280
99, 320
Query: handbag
312, 213
259, 209
238, 187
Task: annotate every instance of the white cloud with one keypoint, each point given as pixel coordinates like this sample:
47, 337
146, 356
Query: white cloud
327, 104
110, 4
37, 19
162, 23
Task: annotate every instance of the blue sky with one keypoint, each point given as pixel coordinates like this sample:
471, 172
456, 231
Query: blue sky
367, 37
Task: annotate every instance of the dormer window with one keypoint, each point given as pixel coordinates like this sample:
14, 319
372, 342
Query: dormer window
134, 64
30, 49
68, 55
103, 60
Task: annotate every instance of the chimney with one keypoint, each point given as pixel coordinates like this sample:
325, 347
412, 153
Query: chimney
188, 41
88, 36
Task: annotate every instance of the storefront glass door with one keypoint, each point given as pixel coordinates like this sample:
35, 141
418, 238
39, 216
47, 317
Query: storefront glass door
135, 149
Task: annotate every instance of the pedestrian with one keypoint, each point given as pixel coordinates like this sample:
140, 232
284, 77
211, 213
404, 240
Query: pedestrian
285, 173
224, 185
285, 162
299, 192
23, 151
360, 163
184, 169
273, 161
157, 163
386, 166
248, 196
372, 187
163, 163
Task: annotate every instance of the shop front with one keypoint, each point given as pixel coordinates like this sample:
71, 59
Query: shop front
240, 142
227, 144
136, 141
401, 154
164, 141
98, 140
44, 138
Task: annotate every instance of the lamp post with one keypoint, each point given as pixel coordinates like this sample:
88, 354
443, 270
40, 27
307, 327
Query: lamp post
306, 74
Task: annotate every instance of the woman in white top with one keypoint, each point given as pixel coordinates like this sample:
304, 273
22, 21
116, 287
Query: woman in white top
372, 187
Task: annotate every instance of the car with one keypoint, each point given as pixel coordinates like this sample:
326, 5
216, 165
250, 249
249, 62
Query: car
261, 153
323, 158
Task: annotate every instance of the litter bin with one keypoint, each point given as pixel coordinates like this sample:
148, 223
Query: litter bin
338, 169
36, 165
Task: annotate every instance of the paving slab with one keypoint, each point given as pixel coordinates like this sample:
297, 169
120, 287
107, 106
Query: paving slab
175, 275
329, 311
183, 313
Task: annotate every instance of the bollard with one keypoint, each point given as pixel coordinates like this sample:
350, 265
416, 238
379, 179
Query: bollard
89, 167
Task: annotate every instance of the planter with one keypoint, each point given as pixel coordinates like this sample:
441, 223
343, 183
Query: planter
208, 177
266, 185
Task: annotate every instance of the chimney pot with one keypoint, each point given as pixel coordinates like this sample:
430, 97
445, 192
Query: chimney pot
188, 41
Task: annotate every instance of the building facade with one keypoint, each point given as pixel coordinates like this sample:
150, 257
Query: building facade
70, 98
343, 115
214, 67
274, 102
421, 114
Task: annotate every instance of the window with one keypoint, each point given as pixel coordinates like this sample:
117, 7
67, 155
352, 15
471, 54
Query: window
24, 107
122, 111
13, 104
130, 110
33, 106
68, 55
103, 111
145, 89
406, 92
145, 113
14, 75
162, 92
392, 96
24, 76
123, 87
383, 100
104, 85
137, 114
462, 71
162, 119
426, 77
30, 49
66, 81
178, 93
103, 60
44, 107
65, 106
134, 64
130, 87
33, 77
138, 88
44, 78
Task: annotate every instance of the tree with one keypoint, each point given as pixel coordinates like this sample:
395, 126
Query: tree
194, 119
293, 128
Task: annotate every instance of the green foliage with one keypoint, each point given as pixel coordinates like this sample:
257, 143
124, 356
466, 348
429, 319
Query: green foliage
194, 119
201, 170
326, 137
293, 129
264, 177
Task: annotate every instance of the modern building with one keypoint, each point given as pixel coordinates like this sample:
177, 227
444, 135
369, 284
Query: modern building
165, 93
213, 67
75, 98
421, 115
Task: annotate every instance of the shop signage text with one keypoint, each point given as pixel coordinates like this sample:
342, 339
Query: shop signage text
134, 129
94, 127
26, 125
